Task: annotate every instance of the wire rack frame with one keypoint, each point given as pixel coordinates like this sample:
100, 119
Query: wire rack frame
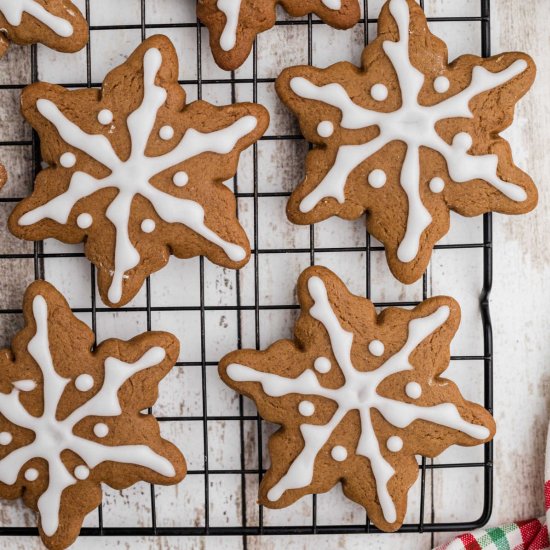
38, 256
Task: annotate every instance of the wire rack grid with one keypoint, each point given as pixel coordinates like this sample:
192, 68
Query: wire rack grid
251, 518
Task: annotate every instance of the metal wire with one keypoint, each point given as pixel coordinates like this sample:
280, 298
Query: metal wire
258, 528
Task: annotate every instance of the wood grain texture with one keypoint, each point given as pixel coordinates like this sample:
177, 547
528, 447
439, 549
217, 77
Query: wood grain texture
521, 297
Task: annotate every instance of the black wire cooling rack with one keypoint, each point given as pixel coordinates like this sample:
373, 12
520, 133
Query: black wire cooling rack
426, 522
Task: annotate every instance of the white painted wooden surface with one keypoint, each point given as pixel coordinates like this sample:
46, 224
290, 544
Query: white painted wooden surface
520, 300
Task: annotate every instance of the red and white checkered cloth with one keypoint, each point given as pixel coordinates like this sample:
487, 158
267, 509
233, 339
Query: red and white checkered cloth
523, 535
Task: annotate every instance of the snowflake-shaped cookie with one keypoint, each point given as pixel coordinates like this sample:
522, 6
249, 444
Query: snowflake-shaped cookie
234, 24
71, 419
358, 395
136, 173
408, 137
56, 23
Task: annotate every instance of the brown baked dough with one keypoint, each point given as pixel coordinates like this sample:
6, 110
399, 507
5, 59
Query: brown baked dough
57, 24
72, 418
136, 173
408, 147
256, 16
357, 396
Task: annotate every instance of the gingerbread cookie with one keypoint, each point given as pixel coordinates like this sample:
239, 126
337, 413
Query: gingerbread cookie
234, 24
71, 418
3, 176
56, 23
358, 395
136, 173
408, 137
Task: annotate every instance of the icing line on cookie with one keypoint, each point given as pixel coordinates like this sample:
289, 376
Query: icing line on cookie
231, 9
413, 124
132, 177
332, 4
13, 11
359, 392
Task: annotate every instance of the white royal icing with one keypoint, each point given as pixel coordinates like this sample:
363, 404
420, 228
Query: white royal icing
377, 178
81, 472
84, 382
31, 474
437, 184
148, 226
413, 124
339, 453
67, 160
332, 4
101, 430
13, 11
25, 385
379, 92
359, 392
84, 220
306, 408
132, 177
180, 179
231, 10
325, 128
413, 390
441, 84
376, 348
322, 365
166, 132
5, 438
105, 117
394, 443
53, 436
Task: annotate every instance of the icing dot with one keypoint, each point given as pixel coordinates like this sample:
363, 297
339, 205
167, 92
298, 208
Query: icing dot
166, 132
101, 430
437, 185
5, 438
31, 474
322, 365
413, 390
377, 178
379, 92
325, 128
306, 408
148, 226
376, 348
67, 160
441, 84
105, 117
84, 220
394, 443
180, 179
339, 453
84, 382
81, 472
463, 141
